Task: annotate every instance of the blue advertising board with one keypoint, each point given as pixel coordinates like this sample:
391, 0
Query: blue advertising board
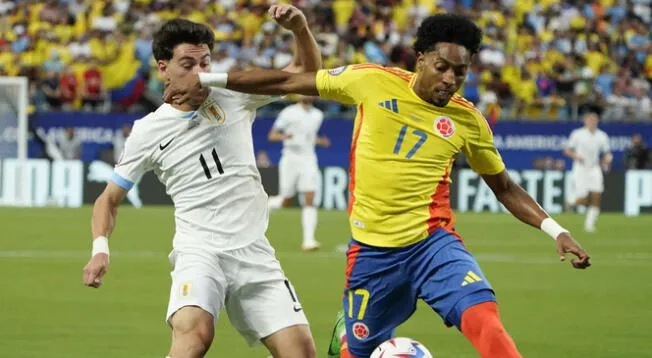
520, 143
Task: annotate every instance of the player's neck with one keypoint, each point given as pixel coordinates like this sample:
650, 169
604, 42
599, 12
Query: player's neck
306, 106
183, 107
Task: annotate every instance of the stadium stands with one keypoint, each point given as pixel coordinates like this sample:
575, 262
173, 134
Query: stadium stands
540, 59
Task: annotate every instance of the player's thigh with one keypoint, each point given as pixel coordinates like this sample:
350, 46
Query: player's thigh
192, 325
197, 281
261, 300
580, 185
288, 176
378, 296
595, 181
450, 280
291, 342
308, 178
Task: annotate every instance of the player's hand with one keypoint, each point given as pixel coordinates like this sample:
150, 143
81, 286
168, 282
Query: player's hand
287, 136
324, 142
186, 90
567, 245
289, 17
95, 269
579, 159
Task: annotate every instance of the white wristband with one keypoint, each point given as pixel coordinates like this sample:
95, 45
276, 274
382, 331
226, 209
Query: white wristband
213, 79
552, 228
100, 246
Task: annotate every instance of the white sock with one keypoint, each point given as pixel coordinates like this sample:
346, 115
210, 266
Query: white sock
591, 216
309, 223
275, 202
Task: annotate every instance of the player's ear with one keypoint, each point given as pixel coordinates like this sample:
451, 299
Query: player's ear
162, 66
421, 61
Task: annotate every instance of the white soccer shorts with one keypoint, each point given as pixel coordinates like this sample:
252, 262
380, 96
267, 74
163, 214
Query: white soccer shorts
297, 174
248, 282
587, 181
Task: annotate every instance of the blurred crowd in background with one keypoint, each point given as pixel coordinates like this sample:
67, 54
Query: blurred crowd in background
545, 59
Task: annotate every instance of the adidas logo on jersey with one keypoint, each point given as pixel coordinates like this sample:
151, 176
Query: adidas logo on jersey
390, 104
470, 278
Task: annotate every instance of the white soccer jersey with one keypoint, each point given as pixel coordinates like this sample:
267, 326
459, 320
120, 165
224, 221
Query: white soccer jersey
206, 161
589, 146
303, 125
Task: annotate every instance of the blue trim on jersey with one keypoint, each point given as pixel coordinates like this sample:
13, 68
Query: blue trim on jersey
189, 115
122, 182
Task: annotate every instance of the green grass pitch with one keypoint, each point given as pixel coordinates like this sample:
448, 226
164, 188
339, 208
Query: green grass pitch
550, 309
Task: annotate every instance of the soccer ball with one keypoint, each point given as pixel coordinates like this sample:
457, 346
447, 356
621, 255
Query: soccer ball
401, 348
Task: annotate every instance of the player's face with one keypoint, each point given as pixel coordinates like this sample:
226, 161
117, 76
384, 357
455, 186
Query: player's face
187, 59
591, 121
441, 72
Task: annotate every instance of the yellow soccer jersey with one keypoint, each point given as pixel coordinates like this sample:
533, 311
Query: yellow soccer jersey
402, 153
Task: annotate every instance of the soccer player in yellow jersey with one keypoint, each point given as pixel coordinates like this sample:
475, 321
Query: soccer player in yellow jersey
408, 129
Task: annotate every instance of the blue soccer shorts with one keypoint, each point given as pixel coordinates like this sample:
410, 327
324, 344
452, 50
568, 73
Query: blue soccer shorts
384, 284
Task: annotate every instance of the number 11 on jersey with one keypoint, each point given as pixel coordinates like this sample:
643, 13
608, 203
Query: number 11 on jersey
204, 165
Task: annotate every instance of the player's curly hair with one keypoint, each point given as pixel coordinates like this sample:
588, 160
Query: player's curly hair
448, 28
179, 31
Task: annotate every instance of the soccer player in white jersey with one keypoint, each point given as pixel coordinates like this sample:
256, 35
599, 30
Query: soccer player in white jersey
203, 154
589, 148
297, 126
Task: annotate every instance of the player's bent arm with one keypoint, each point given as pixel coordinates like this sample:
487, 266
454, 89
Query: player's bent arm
105, 210
307, 57
516, 199
526, 209
268, 82
570, 153
275, 135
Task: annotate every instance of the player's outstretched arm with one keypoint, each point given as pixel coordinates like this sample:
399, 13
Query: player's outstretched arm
526, 209
307, 57
270, 82
105, 211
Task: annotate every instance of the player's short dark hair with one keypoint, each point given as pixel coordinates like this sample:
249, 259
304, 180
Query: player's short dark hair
178, 31
451, 28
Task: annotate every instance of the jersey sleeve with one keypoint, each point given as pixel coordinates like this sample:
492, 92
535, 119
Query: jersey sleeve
344, 84
606, 147
134, 161
572, 141
281, 121
480, 151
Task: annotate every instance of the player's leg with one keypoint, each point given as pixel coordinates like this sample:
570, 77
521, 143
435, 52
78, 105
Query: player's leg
595, 183
196, 297
291, 342
449, 279
263, 305
287, 180
307, 185
592, 212
580, 189
378, 297
192, 332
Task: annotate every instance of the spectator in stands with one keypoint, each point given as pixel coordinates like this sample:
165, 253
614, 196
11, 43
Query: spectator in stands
637, 156
54, 62
93, 94
50, 88
604, 82
642, 106
68, 88
69, 145
556, 39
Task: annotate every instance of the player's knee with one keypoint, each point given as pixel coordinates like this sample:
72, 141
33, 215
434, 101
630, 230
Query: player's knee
292, 342
192, 331
482, 320
455, 317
